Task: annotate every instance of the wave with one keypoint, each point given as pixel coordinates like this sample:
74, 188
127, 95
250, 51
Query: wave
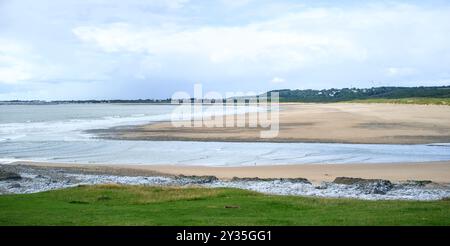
74, 129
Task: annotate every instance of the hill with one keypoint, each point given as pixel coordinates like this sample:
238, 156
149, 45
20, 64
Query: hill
349, 94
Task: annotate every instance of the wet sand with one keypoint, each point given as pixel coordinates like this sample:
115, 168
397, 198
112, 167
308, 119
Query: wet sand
332, 123
438, 172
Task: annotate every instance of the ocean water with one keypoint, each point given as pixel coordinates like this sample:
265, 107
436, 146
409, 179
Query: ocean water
55, 133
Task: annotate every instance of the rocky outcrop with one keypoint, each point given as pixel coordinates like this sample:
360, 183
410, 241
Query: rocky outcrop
6, 175
420, 183
256, 179
197, 179
369, 186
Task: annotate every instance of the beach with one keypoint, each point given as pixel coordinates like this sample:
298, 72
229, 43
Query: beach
438, 172
324, 123
317, 144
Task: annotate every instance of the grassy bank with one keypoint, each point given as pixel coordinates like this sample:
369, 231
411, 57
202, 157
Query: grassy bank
137, 205
414, 100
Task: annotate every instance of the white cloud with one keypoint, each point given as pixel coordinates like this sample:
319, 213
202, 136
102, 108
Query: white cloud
400, 71
252, 44
310, 38
277, 80
176, 4
227, 45
18, 63
236, 3
12, 68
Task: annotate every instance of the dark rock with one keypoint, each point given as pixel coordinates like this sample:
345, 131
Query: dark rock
71, 181
322, 186
237, 179
198, 179
296, 180
15, 185
5, 175
419, 183
352, 181
369, 186
256, 179
379, 187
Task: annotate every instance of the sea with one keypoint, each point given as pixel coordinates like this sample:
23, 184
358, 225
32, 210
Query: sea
58, 133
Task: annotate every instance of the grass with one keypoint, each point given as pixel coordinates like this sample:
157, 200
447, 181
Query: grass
139, 205
412, 100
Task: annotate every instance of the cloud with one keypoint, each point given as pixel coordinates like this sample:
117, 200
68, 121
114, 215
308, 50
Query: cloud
12, 68
400, 71
312, 37
277, 80
19, 63
255, 44
236, 3
226, 45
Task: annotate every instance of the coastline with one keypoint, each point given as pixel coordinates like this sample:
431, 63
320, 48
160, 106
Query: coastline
299, 123
416, 182
438, 172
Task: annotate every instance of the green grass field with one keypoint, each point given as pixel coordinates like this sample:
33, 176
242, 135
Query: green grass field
413, 100
138, 205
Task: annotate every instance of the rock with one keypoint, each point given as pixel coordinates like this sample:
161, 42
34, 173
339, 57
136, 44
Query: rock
369, 186
352, 181
5, 175
237, 179
296, 180
15, 185
198, 179
322, 186
256, 179
378, 187
419, 183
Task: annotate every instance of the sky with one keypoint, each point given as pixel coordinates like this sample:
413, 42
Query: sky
116, 49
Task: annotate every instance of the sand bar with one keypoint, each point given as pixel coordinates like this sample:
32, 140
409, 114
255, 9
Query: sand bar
332, 123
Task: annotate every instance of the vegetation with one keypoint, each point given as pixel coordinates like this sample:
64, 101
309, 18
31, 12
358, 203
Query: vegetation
323, 96
139, 205
416, 100
349, 94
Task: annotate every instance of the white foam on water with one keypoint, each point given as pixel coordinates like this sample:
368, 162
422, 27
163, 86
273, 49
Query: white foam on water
74, 129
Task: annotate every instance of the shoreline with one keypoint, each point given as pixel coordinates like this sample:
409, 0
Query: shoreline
350, 123
23, 178
437, 172
114, 133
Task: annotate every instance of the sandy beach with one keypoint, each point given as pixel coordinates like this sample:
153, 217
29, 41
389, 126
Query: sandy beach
336, 122
332, 123
438, 172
